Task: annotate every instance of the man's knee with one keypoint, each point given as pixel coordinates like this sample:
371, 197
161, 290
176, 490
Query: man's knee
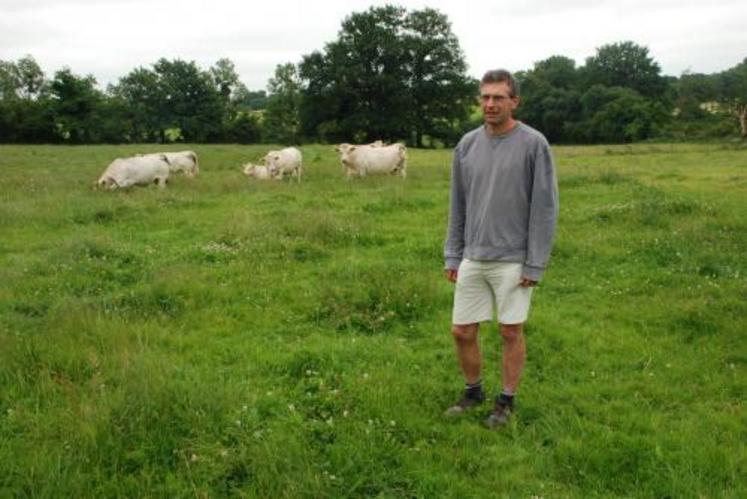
512, 332
464, 332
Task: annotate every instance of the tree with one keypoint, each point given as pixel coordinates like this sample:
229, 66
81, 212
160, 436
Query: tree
174, 95
225, 78
551, 97
692, 92
74, 103
625, 64
617, 115
188, 101
389, 75
732, 92
282, 117
440, 90
140, 96
25, 110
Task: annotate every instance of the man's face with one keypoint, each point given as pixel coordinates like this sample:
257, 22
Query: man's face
497, 103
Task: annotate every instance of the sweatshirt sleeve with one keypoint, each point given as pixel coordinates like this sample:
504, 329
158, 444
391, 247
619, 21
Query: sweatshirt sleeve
543, 214
454, 246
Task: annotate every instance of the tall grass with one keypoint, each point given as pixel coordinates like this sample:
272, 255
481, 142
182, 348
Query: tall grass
234, 338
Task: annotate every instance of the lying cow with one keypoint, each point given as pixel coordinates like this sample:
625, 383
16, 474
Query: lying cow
372, 159
139, 170
182, 161
285, 161
260, 172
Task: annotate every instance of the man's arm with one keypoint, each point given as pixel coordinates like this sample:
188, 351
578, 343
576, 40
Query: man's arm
454, 245
543, 215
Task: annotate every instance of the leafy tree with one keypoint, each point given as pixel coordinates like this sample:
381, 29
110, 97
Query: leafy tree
732, 91
173, 95
22, 79
617, 115
140, 95
74, 102
692, 91
225, 78
244, 128
25, 110
282, 117
188, 101
389, 75
440, 91
550, 97
625, 64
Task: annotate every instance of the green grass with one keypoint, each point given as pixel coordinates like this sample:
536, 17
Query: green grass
234, 338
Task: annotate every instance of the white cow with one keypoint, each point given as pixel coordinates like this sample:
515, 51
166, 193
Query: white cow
139, 170
372, 159
182, 161
284, 161
260, 172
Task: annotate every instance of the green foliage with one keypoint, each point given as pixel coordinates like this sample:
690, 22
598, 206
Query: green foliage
283, 115
732, 85
617, 97
625, 64
75, 101
228, 337
616, 114
390, 75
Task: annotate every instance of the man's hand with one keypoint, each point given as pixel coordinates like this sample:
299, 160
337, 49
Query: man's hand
527, 282
451, 275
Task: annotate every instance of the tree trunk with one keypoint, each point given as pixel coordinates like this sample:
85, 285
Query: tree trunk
742, 114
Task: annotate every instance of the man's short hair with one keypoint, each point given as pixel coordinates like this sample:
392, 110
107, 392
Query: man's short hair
501, 76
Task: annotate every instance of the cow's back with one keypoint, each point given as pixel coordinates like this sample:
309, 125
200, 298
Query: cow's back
377, 158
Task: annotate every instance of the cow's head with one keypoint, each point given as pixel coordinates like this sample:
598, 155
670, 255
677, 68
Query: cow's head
272, 161
345, 151
107, 182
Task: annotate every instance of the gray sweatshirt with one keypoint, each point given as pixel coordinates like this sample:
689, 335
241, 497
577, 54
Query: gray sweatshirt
504, 200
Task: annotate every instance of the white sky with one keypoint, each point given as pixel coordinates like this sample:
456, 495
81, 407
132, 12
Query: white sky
109, 38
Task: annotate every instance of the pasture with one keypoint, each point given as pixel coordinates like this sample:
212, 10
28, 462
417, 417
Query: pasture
230, 337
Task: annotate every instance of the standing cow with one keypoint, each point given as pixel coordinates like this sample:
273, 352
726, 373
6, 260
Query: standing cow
139, 170
284, 161
182, 161
372, 159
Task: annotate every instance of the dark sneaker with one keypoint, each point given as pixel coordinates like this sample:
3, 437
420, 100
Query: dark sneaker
467, 402
499, 417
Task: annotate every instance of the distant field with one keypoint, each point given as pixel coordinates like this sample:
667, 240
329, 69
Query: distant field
228, 337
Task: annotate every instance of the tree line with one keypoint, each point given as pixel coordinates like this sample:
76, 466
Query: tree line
390, 74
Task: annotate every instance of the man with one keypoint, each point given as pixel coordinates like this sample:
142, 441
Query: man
504, 207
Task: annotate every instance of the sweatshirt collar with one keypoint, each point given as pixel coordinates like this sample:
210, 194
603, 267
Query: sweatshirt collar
502, 136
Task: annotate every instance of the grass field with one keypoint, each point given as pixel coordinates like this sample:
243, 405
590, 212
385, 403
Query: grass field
234, 338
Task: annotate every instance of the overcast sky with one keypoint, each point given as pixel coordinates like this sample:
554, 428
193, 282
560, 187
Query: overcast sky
109, 38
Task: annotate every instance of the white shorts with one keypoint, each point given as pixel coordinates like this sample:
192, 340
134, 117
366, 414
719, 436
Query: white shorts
482, 287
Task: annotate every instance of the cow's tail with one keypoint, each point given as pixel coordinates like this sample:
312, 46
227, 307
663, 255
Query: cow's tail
402, 165
196, 167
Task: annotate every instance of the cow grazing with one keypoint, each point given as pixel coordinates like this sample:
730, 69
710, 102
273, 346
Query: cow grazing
182, 161
260, 172
285, 161
139, 170
373, 159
